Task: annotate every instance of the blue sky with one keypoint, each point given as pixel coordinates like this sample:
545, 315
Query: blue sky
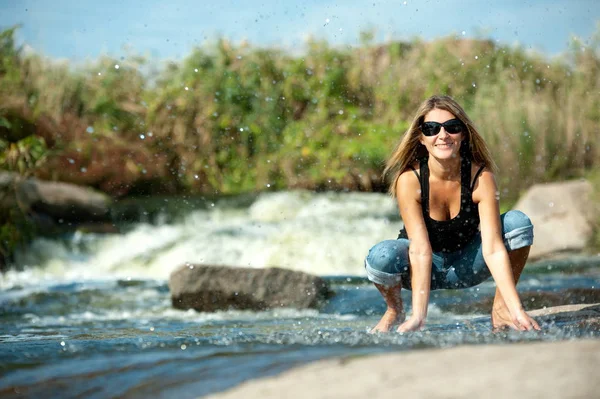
81, 30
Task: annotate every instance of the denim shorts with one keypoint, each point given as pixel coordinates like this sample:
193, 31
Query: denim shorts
387, 262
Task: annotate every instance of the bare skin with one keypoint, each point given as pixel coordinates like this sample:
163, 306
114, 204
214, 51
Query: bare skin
395, 310
500, 315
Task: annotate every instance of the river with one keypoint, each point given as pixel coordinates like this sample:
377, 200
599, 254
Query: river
89, 315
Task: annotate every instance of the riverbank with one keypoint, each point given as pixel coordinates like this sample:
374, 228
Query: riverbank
548, 370
564, 369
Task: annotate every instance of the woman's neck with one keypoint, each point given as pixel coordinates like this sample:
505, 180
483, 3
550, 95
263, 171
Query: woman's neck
448, 169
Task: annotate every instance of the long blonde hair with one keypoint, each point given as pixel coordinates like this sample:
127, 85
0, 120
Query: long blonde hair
410, 148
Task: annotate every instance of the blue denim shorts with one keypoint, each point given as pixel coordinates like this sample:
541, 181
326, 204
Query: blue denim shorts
387, 262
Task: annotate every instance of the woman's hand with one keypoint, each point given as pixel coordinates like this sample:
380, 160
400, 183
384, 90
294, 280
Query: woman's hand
523, 322
412, 324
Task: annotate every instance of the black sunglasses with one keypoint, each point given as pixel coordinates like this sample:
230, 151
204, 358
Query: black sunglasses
453, 126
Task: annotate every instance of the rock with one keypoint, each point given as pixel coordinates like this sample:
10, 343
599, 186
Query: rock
568, 312
566, 369
55, 200
563, 215
211, 288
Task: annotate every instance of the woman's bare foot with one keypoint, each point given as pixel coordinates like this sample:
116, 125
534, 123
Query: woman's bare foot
501, 319
388, 320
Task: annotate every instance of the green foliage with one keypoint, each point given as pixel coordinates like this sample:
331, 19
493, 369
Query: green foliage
24, 156
234, 118
15, 230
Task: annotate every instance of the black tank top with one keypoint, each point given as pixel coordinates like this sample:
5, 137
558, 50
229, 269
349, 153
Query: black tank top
454, 234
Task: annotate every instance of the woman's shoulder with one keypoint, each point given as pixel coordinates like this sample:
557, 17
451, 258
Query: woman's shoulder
483, 181
411, 174
478, 170
408, 181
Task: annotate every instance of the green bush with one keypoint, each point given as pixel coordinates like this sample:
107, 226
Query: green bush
234, 118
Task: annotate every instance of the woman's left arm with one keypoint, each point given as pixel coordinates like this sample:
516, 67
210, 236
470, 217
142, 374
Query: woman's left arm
494, 251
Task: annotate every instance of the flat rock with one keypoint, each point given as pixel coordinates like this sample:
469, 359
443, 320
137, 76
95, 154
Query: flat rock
542, 370
212, 288
564, 369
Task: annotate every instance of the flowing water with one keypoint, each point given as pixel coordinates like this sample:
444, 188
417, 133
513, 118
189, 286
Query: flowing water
89, 315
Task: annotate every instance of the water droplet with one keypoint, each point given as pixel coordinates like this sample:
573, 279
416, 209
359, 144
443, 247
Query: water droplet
116, 66
62, 343
99, 73
268, 185
90, 129
142, 136
196, 177
195, 69
183, 347
83, 170
476, 57
186, 88
71, 161
341, 112
151, 328
463, 33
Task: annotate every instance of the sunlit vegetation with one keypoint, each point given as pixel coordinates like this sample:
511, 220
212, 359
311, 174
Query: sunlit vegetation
234, 118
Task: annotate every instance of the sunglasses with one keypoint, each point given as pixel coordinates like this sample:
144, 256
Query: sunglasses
453, 126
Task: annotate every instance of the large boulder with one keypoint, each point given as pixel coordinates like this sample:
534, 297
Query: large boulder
211, 288
57, 201
563, 216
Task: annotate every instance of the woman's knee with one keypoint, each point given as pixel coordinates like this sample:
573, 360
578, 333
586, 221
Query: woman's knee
517, 230
515, 219
390, 256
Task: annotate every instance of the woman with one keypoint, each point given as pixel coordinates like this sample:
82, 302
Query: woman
453, 235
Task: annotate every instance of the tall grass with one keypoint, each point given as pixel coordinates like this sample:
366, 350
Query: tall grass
235, 118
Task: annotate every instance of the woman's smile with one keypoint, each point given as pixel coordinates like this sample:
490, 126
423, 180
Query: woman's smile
443, 145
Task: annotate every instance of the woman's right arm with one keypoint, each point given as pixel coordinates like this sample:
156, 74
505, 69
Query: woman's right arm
408, 193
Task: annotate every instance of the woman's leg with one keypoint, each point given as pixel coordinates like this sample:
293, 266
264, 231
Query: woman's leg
518, 237
385, 264
500, 314
394, 313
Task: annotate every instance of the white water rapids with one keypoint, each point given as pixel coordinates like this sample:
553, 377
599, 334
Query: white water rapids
319, 233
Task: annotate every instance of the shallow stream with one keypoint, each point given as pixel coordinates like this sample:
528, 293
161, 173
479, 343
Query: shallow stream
89, 315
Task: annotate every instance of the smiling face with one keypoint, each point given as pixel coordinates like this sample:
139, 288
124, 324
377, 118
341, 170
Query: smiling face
443, 145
